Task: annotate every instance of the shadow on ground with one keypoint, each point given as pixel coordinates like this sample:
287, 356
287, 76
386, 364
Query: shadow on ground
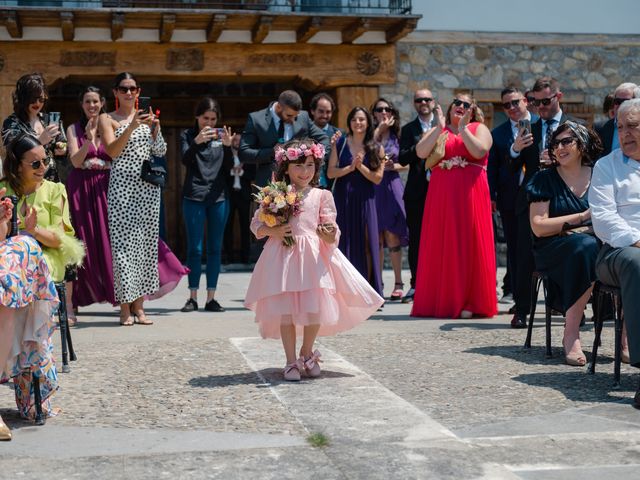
273, 376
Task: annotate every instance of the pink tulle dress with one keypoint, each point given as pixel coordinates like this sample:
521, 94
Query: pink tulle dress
311, 282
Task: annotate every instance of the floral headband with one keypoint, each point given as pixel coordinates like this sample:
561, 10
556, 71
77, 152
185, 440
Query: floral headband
315, 150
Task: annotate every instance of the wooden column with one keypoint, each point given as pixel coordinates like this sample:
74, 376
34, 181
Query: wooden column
349, 97
6, 105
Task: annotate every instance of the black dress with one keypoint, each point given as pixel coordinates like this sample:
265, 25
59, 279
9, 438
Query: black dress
568, 260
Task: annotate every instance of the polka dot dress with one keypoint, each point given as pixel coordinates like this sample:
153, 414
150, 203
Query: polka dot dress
134, 217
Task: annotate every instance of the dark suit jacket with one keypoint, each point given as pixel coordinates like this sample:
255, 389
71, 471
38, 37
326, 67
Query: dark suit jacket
530, 158
503, 181
606, 130
416, 187
331, 130
260, 136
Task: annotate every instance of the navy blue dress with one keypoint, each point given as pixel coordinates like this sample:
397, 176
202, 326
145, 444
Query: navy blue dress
568, 260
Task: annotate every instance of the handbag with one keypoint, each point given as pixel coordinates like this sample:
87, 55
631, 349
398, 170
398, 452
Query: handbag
153, 174
437, 153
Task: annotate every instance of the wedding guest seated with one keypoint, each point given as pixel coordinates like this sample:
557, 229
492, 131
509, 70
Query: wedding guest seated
614, 199
558, 204
27, 300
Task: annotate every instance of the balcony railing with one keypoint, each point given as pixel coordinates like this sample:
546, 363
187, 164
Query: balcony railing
382, 7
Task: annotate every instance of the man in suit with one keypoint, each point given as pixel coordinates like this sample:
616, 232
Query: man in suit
503, 181
321, 109
529, 153
415, 191
608, 130
281, 121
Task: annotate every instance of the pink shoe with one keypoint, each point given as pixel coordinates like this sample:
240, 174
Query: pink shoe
312, 364
291, 372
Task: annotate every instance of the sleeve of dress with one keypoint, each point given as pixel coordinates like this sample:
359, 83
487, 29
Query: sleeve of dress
328, 213
159, 146
256, 223
71, 248
539, 188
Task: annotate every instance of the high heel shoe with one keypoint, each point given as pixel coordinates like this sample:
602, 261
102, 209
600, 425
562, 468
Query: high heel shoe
574, 359
140, 318
126, 320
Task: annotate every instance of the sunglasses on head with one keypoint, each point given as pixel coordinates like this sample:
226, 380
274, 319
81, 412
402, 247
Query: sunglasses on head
619, 101
422, 100
457, 102
565, 142
36, 164
382, 109
544, 101
511, 104
127, 89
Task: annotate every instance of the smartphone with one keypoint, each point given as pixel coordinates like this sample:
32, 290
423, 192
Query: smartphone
218, 133
144, 103
54, 117
524, 126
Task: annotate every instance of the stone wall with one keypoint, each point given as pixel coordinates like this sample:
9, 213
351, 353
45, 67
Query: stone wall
446, 62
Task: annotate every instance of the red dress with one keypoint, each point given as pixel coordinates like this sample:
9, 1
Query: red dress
456, 262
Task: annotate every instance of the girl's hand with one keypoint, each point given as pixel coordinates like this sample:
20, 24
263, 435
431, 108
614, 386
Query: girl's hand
280, 231
227, 135
31, 220
327, 232
335, 137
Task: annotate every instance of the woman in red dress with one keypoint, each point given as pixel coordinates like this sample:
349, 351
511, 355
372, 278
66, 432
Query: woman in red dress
456, 275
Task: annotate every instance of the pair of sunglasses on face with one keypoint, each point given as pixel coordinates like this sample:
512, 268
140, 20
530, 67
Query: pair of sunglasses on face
127, 89
565, 142
457, 102
383, 109
544, 101
38, 163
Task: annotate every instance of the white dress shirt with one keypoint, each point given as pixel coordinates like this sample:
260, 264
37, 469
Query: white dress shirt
288, 127
614, 198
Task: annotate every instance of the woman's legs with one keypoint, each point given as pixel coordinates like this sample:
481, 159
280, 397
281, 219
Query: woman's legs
217, 215
125, 314
138, 311
571, 339
194, 217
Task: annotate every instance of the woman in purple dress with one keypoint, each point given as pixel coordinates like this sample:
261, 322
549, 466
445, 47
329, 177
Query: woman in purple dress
392, 219
87, 186
356, 164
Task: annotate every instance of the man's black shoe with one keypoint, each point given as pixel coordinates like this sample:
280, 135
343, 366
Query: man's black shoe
213, 306
512, 309
519, 321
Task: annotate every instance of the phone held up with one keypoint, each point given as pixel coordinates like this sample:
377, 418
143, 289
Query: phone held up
524, 126
144, 103
53, 118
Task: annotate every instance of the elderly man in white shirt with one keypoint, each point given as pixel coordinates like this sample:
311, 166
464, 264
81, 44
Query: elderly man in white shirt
614, 198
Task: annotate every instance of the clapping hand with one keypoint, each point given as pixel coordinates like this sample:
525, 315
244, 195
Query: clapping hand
466, 118
6, 207
388, 163
31, 220
335, 137
440, 118
91, 130
357, 160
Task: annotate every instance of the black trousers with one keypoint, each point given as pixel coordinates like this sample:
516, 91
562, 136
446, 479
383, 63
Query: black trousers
414, 207
510, 228
239, 201
524, 264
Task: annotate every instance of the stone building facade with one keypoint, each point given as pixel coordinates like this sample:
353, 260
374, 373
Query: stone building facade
587, 66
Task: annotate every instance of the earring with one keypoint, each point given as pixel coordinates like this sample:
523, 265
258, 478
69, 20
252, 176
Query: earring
117, 104
136, 104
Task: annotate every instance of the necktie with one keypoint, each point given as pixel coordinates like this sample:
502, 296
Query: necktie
547, 136
281, 132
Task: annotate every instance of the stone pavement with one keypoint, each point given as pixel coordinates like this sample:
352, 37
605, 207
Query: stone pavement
200, 395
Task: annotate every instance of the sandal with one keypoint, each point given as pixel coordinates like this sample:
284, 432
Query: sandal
126, 321
397, 291
141, 318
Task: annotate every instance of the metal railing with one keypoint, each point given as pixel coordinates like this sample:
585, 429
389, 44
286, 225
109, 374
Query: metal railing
393, 7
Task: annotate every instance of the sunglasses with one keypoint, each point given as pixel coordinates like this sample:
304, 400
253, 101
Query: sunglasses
40, 99
511, 104
38, 163
422, 100
619, 101
565, 142
530, 99
127, 89
382, 109
544, 101
457, 103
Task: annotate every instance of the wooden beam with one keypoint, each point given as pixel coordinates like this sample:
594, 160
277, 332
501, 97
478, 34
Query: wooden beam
68, 28
401, 29
216, 25
309, 29
117, 25
355, 29
12, 22
261, 29
167, 27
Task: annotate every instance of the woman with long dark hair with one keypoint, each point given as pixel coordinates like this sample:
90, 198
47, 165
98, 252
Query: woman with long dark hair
87, 186
206, 153
28, 117
356, 164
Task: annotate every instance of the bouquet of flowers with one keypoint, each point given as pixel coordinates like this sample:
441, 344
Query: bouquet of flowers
278, 202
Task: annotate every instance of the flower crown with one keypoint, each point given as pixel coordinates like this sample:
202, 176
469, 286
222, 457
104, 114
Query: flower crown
315, 150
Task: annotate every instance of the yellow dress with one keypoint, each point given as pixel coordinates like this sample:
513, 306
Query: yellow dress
52, 209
